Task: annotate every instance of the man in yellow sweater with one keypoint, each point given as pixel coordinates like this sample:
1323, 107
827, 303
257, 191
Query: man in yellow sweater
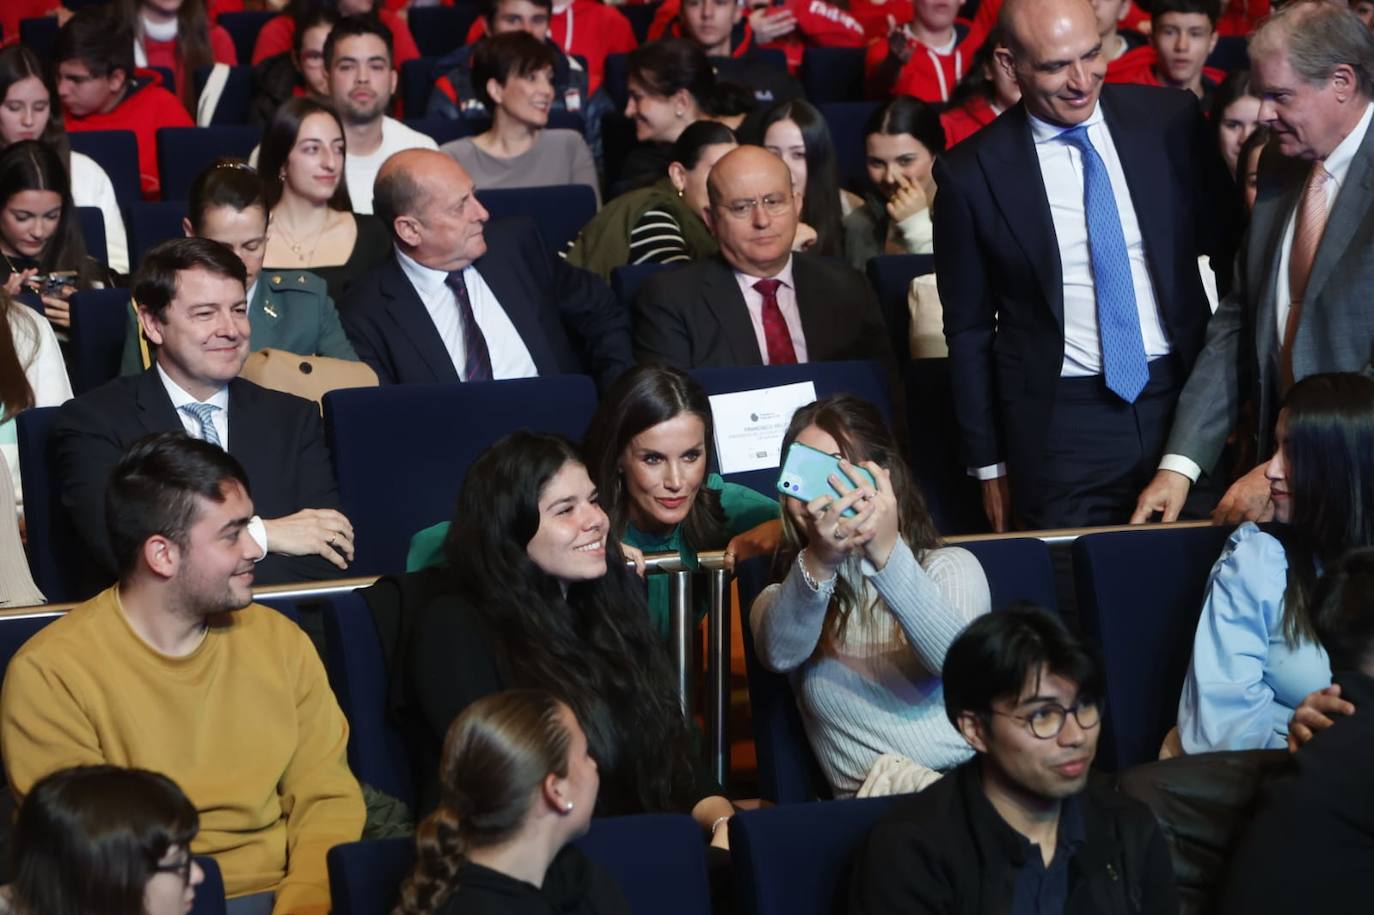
175, 669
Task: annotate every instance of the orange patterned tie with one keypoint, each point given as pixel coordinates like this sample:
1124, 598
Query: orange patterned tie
1307, 235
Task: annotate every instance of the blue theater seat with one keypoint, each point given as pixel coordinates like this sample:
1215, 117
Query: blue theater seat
1018, 569
832, 74
560, 210
100, 321
39, 34
92, 222
846, 121
400, 452
151, 223
441, 29
184, 152
1139, 595
860, 377
16, 630
626, 280
954, 498
615, 79
365, 877
116, 151
891, 276
641, 16
210, 894
357, 671
417, 79
244, 28
795, 860
236, 99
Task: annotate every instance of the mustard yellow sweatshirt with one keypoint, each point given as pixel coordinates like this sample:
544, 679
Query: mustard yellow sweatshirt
246, 725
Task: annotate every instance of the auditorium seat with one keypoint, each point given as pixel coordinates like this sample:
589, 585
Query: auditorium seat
92, 222
100, 320
417, 79
795, 860
954, 498
244, 27
153, 222
846, 122
832, 74
184, 152
441, 29
626, 280
1139, 596
658, 860
641, 17
358, 674
890, 276
615, 79
116, 151
859, 377
234, 101
560, 210
1018, 569
210, 894
400, 452
39, 35
15, 630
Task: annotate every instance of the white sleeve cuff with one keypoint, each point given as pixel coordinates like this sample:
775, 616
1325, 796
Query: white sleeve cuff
258, 531
1180, 464
991, 472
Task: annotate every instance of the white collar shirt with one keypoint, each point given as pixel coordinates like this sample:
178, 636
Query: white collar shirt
179, 397
787, 304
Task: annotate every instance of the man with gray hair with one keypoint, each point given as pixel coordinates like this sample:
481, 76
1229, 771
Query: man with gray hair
1300, 304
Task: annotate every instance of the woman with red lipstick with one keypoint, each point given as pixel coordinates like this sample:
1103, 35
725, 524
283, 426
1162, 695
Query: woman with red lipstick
28, 112
301, 160
536, 595
648, 447
865, 609
1256, 654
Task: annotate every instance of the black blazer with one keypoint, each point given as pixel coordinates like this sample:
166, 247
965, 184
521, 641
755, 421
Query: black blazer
1000, 276
695, 316
278, 439
568, 318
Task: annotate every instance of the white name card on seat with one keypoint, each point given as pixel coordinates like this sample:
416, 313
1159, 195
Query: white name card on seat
750, 425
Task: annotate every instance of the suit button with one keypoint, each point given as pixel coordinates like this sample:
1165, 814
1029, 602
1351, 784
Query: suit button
306, 368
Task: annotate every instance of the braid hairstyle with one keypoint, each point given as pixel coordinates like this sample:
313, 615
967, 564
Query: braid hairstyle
496, 755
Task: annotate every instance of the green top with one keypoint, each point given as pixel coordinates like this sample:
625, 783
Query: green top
604, 243
744, 509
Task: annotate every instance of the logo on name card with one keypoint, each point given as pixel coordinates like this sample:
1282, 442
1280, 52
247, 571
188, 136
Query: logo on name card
750, 425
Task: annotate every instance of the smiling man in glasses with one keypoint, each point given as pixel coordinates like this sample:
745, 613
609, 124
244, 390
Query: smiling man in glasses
759, 302
1018, 829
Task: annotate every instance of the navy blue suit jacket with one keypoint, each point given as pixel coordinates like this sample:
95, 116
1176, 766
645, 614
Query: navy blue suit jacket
568, 318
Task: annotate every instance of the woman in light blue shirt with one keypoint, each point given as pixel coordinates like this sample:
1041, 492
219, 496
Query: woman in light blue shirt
1255, 654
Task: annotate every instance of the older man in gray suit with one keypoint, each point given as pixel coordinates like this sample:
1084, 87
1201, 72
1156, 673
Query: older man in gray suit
1305, 277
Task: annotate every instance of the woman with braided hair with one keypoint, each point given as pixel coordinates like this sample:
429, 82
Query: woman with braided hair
516, 787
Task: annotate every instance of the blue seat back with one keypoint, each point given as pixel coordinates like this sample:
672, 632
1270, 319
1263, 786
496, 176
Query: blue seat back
235, 101
92, 222
100, 322
626, 280
1140, 594
615, 79
954, 498
846, 120
116, 151
16, 630
560, 210
368, 428
357, 670
39, 34
641, 17
441, 29
184, 152
150, 224
862, 378
832, 74
657, 859
891, 276
365, 877
1018, 569
210, 894
1230, 53
417, 79
244, 28
795, 860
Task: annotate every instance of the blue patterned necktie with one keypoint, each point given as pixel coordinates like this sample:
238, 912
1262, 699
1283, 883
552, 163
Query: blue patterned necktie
1118, 320
202, 413
476, 356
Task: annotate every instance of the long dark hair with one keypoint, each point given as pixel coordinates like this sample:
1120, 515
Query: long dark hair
592, 647
862, 434
1329, 456
906, 114
32, 166
89, 839
193, 40
976, 82
821, 196
18, 63
16, 394
280, 137
640, 399
497, 754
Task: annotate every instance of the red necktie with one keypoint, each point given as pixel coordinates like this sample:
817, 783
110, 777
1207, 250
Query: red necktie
775, 332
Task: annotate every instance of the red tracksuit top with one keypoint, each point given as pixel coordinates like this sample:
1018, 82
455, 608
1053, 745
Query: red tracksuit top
927, 75
819, 24
145, 109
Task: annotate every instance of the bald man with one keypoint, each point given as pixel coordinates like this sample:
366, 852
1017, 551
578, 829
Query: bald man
757, 302
1067, 238
464, 300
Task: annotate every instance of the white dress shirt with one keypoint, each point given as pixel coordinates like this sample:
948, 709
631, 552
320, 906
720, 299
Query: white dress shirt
787, 304
219, 419
510, 358
1338, 166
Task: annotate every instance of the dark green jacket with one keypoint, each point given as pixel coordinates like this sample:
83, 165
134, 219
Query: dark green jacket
604, 243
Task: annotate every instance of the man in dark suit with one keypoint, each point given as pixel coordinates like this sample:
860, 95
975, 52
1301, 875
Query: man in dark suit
465, 301
1067, 236
757, 303
193, 307
1314, 64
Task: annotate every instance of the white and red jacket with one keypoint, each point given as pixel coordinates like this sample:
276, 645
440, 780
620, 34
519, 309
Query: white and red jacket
819, 24
928, 74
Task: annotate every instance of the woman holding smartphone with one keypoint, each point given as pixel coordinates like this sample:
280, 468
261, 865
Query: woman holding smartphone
866, 607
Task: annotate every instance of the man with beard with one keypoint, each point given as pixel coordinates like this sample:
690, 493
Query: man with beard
176, 670
362, 81
1018, 828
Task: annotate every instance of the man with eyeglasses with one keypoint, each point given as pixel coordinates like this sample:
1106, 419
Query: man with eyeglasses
758, 302
1018, 829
